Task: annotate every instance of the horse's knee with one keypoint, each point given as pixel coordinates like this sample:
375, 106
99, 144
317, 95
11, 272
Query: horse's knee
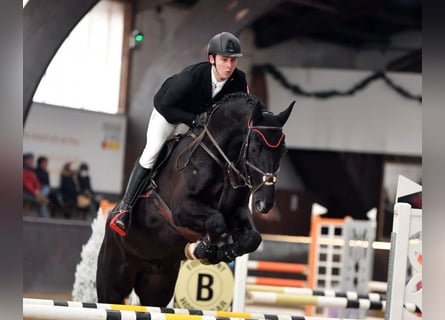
215, 226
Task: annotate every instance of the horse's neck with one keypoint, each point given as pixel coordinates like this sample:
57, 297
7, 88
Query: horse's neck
232, 123
229, 136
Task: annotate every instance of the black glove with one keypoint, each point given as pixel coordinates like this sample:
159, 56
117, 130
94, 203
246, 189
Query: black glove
200, 120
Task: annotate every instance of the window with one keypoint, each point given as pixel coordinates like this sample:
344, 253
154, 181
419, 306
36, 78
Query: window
85, 72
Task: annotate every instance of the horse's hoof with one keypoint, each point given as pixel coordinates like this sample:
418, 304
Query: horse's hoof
188, 251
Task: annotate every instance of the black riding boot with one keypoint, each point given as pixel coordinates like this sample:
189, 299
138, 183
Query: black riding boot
136, 183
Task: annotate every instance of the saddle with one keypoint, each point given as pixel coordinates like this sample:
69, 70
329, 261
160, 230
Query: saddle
168, 148
165, 152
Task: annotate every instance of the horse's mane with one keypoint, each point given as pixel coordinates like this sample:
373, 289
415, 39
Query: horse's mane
248, 99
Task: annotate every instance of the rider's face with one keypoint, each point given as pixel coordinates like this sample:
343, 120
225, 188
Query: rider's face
224, 66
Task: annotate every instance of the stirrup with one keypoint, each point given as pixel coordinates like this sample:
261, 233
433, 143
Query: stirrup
115, 224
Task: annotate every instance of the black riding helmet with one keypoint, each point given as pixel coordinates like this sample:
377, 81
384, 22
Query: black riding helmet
225, 44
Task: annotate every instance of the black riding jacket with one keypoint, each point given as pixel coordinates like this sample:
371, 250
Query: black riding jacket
188, 93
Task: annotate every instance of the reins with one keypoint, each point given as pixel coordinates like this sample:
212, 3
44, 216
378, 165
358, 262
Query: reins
269, 178
229, 167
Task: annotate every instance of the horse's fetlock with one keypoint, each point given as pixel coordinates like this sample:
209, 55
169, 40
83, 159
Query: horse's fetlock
228, 253
204, 250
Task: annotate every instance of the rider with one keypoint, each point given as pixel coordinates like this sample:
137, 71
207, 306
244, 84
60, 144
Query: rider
181, 99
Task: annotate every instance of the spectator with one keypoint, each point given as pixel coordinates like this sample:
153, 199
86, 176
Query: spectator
55, 203
83, 179
32, 189
42, 174
85, 189
68, 189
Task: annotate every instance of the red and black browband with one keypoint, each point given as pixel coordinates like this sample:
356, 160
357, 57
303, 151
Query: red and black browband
257, 129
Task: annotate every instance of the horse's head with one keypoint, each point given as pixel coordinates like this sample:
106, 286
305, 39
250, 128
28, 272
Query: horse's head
264, 149
260, 135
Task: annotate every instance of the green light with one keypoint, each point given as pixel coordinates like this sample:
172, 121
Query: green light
139, 37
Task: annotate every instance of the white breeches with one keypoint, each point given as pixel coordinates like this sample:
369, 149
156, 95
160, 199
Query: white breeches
158, 131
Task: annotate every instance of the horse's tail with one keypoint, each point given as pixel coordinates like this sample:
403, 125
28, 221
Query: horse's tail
84, 287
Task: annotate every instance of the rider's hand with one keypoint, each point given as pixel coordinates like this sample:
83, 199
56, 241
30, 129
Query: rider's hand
200, 120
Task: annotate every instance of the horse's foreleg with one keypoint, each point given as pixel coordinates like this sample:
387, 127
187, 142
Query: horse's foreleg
245, 237
215, 227
207, 248
204, 250
196, 215
248, 242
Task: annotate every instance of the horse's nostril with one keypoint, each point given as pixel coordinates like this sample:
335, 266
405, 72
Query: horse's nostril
260, 205
263, 205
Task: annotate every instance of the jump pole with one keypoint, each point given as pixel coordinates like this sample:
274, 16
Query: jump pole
144, 309
290, 300
73, 310
36, 311
272, 281
351, 295
274, 266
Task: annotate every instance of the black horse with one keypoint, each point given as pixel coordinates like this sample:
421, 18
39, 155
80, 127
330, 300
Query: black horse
203, 194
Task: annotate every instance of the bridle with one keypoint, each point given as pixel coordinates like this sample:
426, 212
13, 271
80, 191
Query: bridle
268, 178
231, 169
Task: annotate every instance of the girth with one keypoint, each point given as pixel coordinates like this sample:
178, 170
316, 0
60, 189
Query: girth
165, 211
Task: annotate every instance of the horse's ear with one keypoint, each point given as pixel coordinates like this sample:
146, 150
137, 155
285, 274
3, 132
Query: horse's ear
284, 115
257, 114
